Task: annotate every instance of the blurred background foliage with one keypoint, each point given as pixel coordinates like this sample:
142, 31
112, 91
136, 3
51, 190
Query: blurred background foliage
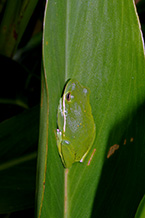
21, 26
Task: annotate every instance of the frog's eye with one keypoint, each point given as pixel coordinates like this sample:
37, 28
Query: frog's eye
68, 96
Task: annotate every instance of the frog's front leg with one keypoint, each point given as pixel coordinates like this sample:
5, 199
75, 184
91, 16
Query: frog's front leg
59, 139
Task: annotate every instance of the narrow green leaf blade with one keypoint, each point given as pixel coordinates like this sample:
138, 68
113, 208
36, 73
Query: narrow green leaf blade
50, 180
141, 209
14, 22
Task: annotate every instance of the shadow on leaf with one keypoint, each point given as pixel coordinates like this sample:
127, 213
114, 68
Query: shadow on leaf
121, 185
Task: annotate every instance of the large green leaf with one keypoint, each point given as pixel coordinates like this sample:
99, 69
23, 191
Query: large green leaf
99, 43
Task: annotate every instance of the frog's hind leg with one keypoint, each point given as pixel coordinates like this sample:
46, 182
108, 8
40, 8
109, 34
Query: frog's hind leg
68, 154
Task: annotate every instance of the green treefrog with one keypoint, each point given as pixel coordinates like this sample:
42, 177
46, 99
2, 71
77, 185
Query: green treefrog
76, 127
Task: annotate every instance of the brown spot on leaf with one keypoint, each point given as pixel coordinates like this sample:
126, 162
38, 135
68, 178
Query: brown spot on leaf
124, 142
131, 139
112, 150
91, 156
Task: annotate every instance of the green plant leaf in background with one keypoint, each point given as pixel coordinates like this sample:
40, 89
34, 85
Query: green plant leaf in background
18, 161
98, 43
16, 17
141, 209
19, 89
